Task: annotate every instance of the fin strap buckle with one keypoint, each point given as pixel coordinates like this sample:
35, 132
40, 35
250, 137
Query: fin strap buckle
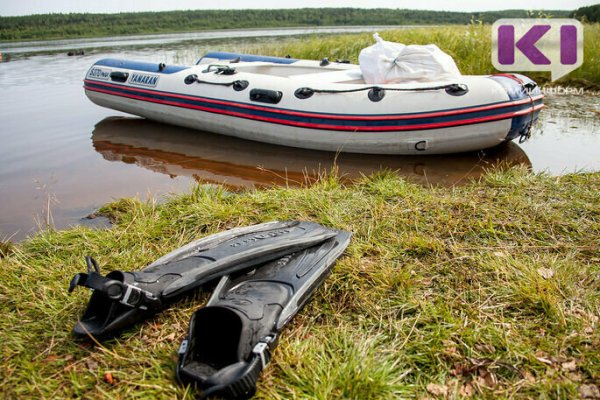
137, 297
263, 351
183, 347
129, 295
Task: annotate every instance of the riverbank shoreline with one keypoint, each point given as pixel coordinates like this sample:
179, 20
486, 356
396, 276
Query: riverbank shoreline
469, 45
489, 289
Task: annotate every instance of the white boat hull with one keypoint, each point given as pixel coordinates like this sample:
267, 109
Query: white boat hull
402, 122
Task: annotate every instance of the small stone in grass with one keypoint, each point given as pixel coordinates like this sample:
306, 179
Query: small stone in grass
437, 390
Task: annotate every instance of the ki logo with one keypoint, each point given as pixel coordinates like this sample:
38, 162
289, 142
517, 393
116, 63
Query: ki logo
554, 45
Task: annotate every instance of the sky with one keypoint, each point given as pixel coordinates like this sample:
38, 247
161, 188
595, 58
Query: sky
26, 7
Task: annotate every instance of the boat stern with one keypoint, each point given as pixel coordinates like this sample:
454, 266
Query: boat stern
521, 88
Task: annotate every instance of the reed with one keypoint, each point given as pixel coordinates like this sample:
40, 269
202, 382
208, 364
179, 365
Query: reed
470, 46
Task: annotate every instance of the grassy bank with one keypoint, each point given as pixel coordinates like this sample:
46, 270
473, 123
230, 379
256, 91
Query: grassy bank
470, 45
487, 290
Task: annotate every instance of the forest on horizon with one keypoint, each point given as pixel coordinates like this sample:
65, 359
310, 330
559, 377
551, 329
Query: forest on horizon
64, 26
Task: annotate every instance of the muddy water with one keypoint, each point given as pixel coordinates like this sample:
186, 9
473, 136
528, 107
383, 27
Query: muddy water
61, 156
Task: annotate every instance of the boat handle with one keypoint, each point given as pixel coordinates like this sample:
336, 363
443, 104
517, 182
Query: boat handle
266, 96
119, 76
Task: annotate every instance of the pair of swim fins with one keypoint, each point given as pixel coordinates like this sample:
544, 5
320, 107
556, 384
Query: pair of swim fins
266, 271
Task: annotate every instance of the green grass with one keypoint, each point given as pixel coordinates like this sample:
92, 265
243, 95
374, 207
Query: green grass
470, 46
6, 248
490, 289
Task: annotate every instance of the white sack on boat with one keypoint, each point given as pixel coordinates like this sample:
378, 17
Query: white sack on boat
389, 62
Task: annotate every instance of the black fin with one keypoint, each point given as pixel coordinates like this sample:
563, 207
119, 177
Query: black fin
230, 340
121, 299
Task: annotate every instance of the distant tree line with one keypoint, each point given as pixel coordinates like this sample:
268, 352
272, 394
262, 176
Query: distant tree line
587, 14
62, 26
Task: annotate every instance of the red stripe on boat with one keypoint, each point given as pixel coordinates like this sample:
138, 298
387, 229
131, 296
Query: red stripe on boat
435, 125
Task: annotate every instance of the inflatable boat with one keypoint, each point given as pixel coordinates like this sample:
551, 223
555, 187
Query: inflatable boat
320, 105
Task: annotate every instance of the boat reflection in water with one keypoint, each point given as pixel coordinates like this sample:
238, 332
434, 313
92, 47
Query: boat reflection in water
237, 163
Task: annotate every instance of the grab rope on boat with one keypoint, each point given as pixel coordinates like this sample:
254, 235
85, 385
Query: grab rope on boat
238, 85
376, 93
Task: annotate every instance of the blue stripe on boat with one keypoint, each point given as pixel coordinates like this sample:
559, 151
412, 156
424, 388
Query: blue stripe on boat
139, 66
224, 55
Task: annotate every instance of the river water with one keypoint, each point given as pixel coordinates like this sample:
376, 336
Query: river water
61, 157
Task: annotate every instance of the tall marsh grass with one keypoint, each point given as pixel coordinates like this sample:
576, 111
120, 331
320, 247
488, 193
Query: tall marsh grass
470, 46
